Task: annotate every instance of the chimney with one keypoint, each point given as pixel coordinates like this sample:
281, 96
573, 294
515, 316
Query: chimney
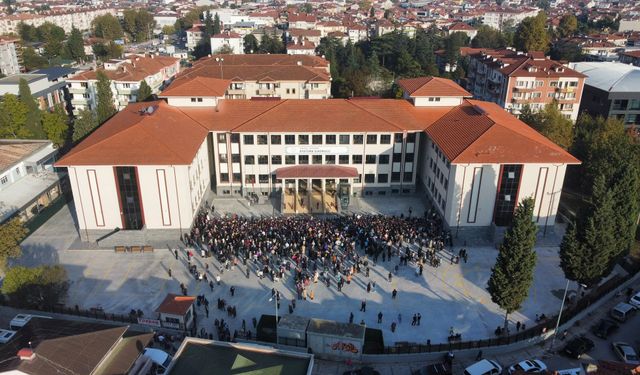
26, 354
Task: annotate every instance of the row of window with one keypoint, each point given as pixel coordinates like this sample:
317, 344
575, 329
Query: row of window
440, 156
317, 159
533, 84
369, 178
624, 104
317, 139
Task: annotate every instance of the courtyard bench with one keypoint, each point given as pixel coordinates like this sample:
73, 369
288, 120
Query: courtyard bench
147, 249
120, 249
136, 249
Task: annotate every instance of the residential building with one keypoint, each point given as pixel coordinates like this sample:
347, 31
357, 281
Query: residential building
257, 75
301, 20
28, 182
165, 18
515, 79
194, 36
303, 48
498, 17
630, 57
125, 76
227, 39
47, 93
9, 61
462, 27
68, 19
611, 90
629, 24
152, 165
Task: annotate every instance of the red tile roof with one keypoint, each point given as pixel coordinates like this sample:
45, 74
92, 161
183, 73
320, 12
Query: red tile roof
175, 305
316, 171
432, 86
137, 69
197, 86
461, 26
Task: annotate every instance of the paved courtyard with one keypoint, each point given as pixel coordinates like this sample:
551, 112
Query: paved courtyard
448, 296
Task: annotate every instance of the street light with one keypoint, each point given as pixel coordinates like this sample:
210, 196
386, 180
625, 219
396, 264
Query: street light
275, 297
220, 60
555, 332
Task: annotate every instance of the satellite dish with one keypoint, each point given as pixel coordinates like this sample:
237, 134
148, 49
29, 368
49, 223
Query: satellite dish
150, 109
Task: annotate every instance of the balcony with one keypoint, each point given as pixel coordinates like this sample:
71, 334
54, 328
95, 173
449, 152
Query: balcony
235, 92
266, 91
524, 89
565, 89
77, 90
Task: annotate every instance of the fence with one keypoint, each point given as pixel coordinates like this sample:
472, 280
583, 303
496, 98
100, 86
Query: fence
93, 313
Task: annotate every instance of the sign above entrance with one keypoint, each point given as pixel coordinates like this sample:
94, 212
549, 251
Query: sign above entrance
316, 150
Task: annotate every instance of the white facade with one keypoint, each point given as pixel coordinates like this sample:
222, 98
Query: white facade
497, 19
8, 58
236, 43
67, 20
282, 89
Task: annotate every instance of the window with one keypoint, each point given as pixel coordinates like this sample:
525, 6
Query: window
397, 138
357, 180
317, 159
223, 158
330, 139
303, 159
408, 158
343, 159
370, 159
235, 138
276, 159
539, 83
263, 159
395, 176
434, 99
224, 177
372, 139
358, 139
290, 159
383, 159
344, 139
222, 138
250, 179
407, 176
303, 139
289, 139
235, 158
276, 139
369, 178
262, 139
193, 100
263, 178
383, 178
385, 139
356, 159
411, 137
553, 83
634, 104
397, 157
631, 118
573, 84
199, 100
329, 159
4, 180
249, 160
316, 139
237, 177
620, 104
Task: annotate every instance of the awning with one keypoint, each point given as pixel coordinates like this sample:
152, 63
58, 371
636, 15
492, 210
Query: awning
316, 171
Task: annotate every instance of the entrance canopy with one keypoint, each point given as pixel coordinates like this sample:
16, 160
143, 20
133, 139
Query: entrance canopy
316, 171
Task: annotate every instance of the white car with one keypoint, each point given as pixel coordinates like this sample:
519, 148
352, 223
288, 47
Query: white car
626, 353
635, 300
529, 366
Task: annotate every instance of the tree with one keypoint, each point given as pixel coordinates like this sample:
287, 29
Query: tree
107, 27
452, 46
531, 34
144, 25
192, 17
217, 26
50, 31
107, 51
568, 26
32, 60
566, 50
144, 91
551, 123
224, 50
512, 276
84, 124
250, 44
74, 48
13, 117
27, 32
55, 125
168, 30
12, 232
105, 107
208, 26
305, 8
33, 121
488, 37
37, 287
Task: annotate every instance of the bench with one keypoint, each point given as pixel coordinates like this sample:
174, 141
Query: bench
120, 249
147, 249
136, 249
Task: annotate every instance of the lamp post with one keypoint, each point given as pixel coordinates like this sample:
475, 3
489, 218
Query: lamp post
220, 60
275, 299
555, 332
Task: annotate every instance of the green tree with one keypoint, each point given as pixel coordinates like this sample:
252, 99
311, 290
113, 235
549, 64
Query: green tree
568, 26
50, 31
551, 123
531, 34
250, 44
74, 48
192, 17
305, 8
452, 46
56, 125
566, 50
105, 107
168, 30
33, 121
107, 51
38, 287
488, 37
144, 91
27, 32
107, 27
224, 50
13, 117
512, 276
12, 232
217, 26
32, 60
208, 25
84, 124
144, 25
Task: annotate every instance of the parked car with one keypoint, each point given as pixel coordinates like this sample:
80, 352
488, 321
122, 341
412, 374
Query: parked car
604, 328
622, 311
635, 300
484, 367
626, 353
578, 347
529, 366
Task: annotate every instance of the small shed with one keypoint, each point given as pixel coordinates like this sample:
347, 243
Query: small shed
334, 339
177, 312
292, 330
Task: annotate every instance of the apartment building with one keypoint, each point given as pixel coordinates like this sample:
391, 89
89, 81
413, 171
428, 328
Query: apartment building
281, 76
80, 19
515, 79
227, 39
47, 93
9, 60
611, 90
498, 17
125, 75
194, 36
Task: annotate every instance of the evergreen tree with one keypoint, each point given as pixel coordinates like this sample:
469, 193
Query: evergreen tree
56, 125
217, 26
84, 124
12, 232
531, 34
512, 276
208, 26
568, 26
75, 46
105, 107
551, 123
250, 44
488, 37
107, 27
34, 115
13, 117
144, 92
